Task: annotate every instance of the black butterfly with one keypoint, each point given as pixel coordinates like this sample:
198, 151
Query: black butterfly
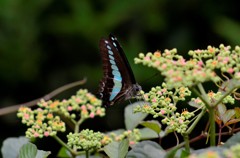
118, 82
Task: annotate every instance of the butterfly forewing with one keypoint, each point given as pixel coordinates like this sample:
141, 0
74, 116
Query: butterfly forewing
118, 77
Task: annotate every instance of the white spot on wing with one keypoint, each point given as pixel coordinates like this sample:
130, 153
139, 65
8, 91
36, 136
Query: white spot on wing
114, 44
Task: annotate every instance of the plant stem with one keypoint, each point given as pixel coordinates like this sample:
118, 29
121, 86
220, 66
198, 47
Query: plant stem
212, 126
87, 154
76, 130
77, 125
187, 143
202, 90
203, 98
219, 136
193, 125
211, 110
225, 95
64, 145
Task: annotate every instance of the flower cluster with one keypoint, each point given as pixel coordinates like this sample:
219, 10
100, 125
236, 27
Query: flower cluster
213, 97
85, 140
88, 139
163, 104
132, 135
84, 103
45, 120
181, 72
179, 121
42, 122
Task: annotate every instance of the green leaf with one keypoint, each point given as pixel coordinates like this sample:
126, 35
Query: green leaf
237, 112
172, 153
235, 139
11, 146
42, 154
205, 152
132, 119
184, 154
28, 150
117, 149
146, 133
221, 109
194, 104
20, 147
117, 132
232, 121
153, 125
228, 115
84, 156
63, 152
229, 85
147, 149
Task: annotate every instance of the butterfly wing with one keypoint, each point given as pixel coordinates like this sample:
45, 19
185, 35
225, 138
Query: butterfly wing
118, 77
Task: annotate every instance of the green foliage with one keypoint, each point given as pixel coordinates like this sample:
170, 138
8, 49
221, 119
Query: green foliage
146, 149
11, 146
132, 119
117, 149
20, 147
153, 125
230, 149
147, 133
29, 150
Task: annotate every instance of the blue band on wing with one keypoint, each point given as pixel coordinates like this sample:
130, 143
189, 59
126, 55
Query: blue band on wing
114, 67
112, 62
117, 78
111, 57
115, 92
108, 47
110, 52
116, 73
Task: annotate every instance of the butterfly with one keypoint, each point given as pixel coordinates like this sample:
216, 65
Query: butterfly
118, 82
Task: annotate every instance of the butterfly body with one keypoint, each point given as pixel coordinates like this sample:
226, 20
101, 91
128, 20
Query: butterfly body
118, 82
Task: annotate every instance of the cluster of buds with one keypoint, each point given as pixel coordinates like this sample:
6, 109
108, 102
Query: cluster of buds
179, 121
85, 140
41, 122
213, 97
88, 139
132, 135
84, 104
163, 104
201, 68
45, 120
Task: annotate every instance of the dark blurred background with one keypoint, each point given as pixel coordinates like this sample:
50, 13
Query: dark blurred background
48, 43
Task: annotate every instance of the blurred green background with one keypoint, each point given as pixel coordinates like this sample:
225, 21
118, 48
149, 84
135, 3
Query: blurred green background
48, 43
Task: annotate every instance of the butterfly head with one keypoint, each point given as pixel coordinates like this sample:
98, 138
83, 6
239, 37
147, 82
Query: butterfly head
135, 91
137, 88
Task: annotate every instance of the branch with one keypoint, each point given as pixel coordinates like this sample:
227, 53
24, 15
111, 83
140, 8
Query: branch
13, 108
